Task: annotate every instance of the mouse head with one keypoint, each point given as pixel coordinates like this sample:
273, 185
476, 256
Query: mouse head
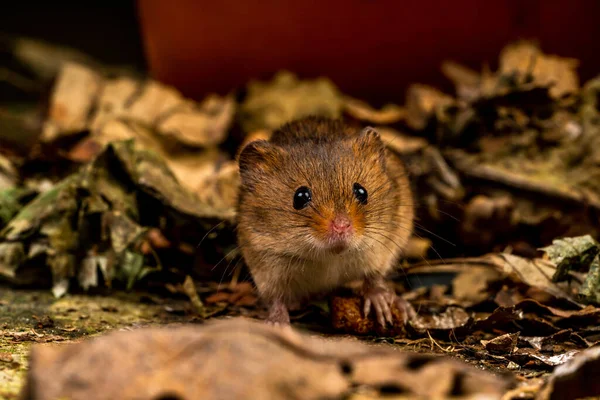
308, 198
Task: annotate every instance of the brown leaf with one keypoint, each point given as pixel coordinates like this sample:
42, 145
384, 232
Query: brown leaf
85, 150
72, 100
33, 336
480, 213
559, 338
189, 288
471, 284
268, 105
536, 273
84, 100
526, 356
247, 300
399, 142
218, 297
417, 248
575, 379
450, 318
504, 344
203, 125
6, 357
389, 114
511, 319
157, 239
192, 362
43, 322
589, 313
422, 103
466, 81
240, 295
527, 60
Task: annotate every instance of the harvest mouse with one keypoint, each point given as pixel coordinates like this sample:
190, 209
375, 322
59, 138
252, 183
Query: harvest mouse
322, 204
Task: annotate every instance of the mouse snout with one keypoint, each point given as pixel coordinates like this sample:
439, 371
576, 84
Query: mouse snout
341, 225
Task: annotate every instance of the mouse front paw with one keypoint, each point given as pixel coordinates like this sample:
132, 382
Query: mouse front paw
278, 314
382, 300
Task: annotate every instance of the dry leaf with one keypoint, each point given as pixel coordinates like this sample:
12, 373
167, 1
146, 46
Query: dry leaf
72, 100
504, 344
200, 362
400, 143
389, 114
269, 105
422, 103
529, 62
161, 108
574, 379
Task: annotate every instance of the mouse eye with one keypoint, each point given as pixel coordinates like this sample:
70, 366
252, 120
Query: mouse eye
302, 197
360, 193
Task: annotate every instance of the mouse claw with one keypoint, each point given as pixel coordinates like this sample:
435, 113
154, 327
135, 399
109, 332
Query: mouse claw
379, 300
408, 312
278, 314
367, 307
382, 300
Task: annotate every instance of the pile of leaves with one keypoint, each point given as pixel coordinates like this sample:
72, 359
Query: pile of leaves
515, 149
108, 178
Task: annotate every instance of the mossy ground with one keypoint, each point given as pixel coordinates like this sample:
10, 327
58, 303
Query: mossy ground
29, 317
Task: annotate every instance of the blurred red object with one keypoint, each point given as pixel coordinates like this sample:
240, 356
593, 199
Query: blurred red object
371, 48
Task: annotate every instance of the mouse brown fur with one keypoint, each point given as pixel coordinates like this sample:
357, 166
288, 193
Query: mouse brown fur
351, 220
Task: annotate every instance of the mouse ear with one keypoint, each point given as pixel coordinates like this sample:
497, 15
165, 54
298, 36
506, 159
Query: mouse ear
257, 158
369, 143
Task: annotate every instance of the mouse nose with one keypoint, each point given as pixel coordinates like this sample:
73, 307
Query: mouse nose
341, 225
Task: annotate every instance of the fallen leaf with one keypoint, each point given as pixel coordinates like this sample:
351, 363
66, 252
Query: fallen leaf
12, 254
466, 81
314, 367
84, 99
399, 142
511, 319
504, 344
525, 60
43, 322
560, 338
239, 295
536, 273
189, 288
450, 318
422, 104
574, 379
524, 356
571, 254
268, 105
388, 114
590, 288
71, 101
8, 174
417, 248
218, 297
470, 286
6, 357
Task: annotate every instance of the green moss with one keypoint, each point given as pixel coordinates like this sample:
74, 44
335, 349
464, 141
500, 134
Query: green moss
40, 318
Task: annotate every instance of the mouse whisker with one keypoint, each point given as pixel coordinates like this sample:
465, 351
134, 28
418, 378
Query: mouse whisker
421, 227
448, 214
208, 233
225, 272
224, 257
